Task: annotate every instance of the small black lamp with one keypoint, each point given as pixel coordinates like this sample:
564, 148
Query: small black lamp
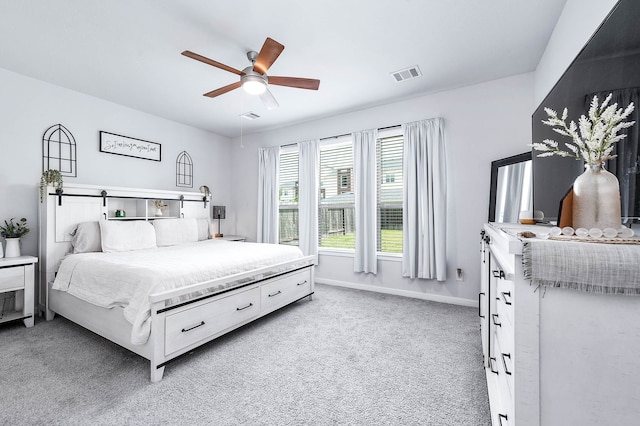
218, 212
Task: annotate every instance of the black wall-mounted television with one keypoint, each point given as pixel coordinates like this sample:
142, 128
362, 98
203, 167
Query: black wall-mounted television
609, 63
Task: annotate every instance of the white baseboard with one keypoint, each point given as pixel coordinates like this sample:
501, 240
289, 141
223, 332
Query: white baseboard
397, 292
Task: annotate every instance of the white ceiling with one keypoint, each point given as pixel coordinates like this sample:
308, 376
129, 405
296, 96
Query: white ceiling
128, 51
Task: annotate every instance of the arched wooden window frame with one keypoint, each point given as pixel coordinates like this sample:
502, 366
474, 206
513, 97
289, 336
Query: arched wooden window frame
184, 170
59, 151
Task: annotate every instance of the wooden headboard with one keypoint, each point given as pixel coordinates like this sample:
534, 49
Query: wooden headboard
59, 215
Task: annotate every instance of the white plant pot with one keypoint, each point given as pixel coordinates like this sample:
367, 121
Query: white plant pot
13, 247
1, 252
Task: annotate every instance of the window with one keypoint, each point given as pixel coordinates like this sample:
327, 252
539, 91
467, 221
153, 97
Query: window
288, 197
389, 172
336, 214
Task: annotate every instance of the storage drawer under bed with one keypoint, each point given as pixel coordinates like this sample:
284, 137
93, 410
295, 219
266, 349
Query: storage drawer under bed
285, 290
201, 322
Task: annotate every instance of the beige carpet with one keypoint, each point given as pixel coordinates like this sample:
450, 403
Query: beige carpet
346, 358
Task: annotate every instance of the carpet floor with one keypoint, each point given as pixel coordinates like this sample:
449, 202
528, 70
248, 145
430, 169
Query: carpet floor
347, 357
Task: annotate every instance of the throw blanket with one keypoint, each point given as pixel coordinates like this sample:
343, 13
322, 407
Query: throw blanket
596, 268
128, 278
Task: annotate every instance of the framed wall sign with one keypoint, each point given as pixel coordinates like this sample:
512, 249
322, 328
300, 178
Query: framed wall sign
130, 147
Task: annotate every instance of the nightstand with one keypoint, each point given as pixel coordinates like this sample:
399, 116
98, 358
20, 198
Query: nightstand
233, 238
18, 274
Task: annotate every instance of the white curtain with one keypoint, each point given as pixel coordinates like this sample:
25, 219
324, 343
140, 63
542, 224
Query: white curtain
364, 166
268, 209
308, 193
424, 200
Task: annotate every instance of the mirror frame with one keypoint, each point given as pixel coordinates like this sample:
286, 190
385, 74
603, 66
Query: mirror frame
495, 165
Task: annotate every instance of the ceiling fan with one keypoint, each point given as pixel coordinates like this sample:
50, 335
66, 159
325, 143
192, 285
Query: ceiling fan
254, 79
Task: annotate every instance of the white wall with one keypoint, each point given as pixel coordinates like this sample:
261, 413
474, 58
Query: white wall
28, 107
578, 22
484, 122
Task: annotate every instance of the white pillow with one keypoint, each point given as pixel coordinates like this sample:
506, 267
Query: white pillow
126, 235
86, 238
170, 232
204, 228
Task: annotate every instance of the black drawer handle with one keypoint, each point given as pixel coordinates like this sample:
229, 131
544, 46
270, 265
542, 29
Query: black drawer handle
480, 305
275, 294
498, 274
504, 297
184, 330
494, 316
504, 362
500, 417
244, 307
302, 283
491, 359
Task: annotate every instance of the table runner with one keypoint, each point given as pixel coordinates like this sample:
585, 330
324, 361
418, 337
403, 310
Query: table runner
595, 268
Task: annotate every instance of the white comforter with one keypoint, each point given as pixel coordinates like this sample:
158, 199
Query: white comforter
128, 278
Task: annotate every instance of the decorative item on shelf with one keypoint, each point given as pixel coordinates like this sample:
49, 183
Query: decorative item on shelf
51, 176
12, 232
596, 192
218, 212
121, 213
204, 189
159, 205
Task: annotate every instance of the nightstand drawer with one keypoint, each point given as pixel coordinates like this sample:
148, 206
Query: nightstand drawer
12, 278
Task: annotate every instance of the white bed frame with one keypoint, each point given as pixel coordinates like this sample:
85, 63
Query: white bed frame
175, 328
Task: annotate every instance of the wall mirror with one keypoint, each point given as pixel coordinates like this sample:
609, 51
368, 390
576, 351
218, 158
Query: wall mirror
511, 188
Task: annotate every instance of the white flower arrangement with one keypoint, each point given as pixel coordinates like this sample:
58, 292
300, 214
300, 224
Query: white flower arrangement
598, 133
159, 204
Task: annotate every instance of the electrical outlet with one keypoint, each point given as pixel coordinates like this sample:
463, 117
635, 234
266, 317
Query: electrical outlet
459, 274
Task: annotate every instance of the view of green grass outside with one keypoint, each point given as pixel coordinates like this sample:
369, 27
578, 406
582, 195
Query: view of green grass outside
391, 241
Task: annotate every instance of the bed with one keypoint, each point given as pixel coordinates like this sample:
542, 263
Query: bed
157, 286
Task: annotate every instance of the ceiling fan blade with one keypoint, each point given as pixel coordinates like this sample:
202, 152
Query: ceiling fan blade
300, 83
223, 90
211, 62
269, 52
269, 100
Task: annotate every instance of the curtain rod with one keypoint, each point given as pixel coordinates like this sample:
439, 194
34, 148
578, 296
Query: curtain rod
341, 136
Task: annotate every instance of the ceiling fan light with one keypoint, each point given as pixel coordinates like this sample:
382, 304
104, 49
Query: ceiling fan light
253, 85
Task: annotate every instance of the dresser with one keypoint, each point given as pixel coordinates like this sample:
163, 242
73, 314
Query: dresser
554, 356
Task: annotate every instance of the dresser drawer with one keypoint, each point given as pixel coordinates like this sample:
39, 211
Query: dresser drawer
285, 290
504, 300
505, 384
201, 322
12, 278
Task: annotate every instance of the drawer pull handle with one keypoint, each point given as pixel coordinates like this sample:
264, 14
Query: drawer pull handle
504, 297
302, 283
498, 274
494, 316
244, 307
500, 417
480, 304
184, 330
275, 294
491, 359
504, 362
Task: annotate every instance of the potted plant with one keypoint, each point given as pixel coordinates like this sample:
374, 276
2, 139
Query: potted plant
12, 232
51, 176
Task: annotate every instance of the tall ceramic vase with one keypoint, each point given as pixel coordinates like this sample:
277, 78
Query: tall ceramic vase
13, 247
596, 199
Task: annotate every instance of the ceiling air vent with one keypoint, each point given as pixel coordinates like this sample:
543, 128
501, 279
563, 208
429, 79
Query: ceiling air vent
250, 115
406, 74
